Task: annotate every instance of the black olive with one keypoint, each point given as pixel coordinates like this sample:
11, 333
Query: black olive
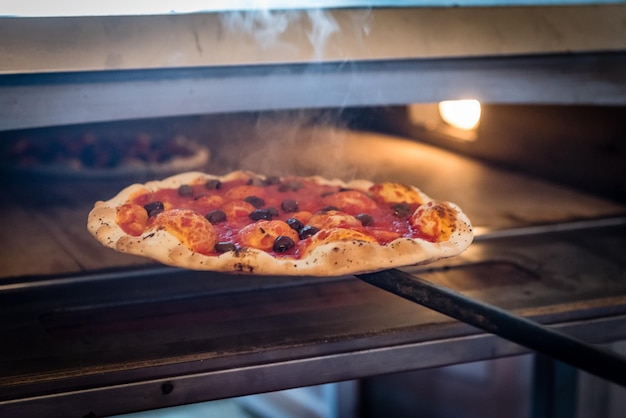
308, 231
272, 180
216, 216
401, 210
259, 214
255, 201
329, 208
283, 243
213, 184
223, 247
154, 208
289, 205
290, 186
272, 211
365, 218
256, 181
294, 224
185, 190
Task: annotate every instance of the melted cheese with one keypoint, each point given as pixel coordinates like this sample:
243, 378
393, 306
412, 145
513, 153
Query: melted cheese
331, 236
133, 218
395, 193
436, 219
351, 201
333, 219
191, 229
262, 234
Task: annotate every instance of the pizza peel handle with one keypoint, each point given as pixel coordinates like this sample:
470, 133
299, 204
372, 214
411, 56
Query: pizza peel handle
602, 363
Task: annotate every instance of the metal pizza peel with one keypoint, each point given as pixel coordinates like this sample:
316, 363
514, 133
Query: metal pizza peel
592, 359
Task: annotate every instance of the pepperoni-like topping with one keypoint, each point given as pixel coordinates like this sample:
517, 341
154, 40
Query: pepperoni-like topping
437, 219
350, 201
303, 216
395, 193
333, 219
132, 218
191, 228
237, 209
243, 191
211, 200
262, 234
332, 236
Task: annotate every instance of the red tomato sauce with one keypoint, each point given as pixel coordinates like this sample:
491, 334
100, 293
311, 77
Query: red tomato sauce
310, 197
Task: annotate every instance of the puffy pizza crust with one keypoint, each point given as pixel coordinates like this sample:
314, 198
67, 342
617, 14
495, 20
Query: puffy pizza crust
327, 259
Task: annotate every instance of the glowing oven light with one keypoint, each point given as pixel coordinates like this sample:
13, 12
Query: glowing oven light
462, 114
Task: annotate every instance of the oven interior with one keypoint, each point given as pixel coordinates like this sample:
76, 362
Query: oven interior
91, 332
549, 245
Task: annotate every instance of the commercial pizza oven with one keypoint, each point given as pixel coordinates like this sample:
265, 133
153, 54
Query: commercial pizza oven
341, 89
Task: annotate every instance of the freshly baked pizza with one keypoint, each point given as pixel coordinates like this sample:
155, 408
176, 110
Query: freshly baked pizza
243, 222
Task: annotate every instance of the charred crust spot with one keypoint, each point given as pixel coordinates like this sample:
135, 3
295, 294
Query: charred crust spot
335, 249
243, 268
149, 235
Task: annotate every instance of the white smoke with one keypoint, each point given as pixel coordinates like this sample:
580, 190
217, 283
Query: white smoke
267, 27
323, 25
297, 142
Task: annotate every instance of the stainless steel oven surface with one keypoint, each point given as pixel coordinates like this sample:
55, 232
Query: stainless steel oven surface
91, 104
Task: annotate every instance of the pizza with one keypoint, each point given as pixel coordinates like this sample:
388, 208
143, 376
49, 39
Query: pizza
95, 156
243, 222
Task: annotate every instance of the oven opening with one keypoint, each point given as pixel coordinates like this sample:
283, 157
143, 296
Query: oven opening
542, 184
